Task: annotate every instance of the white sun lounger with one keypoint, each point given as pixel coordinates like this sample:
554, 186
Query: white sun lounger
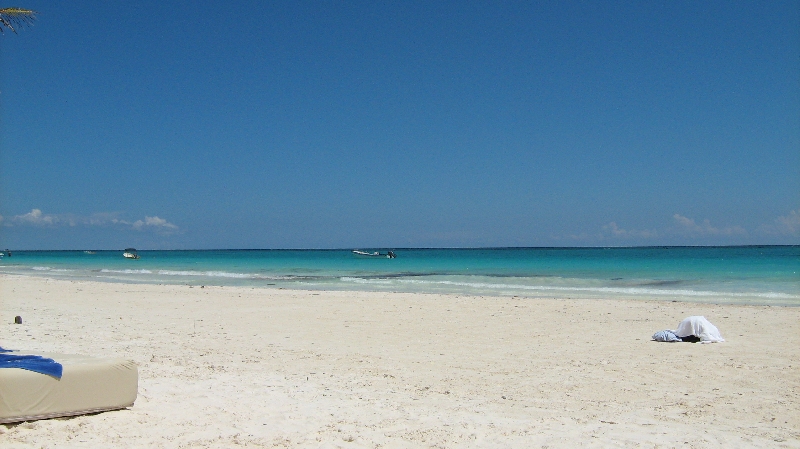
87, 385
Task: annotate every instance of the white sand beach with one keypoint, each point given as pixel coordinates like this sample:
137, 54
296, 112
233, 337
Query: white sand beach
242, 367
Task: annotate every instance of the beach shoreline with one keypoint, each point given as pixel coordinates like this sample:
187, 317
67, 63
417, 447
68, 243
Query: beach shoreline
259, 367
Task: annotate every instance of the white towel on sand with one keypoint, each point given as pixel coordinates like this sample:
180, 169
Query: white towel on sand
700, 327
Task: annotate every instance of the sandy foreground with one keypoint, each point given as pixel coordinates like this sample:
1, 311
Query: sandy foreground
231, 367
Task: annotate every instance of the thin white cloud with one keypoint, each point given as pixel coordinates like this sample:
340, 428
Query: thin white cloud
611, 231
103, 218
689, 226
153, 222
577, 237
784, 225
618, 232
37, 218
685, 227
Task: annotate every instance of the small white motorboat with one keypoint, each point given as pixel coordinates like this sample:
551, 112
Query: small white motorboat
389, 255
130, 253
364, 253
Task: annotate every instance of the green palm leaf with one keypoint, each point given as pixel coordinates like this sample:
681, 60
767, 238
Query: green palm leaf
15, 17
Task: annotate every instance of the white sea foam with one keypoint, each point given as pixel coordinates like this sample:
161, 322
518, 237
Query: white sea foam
51, 269
604, 290
223, 274
366, 281
227, 274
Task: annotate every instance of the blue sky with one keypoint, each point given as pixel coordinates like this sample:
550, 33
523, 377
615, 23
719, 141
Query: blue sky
182, 124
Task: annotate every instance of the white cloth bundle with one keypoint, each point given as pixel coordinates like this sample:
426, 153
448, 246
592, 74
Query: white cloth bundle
701, 328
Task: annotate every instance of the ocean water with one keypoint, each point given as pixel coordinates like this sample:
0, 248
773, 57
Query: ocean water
758, 275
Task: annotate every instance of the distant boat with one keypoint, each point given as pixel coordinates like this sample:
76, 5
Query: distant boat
89, 252
389, 255
130, 253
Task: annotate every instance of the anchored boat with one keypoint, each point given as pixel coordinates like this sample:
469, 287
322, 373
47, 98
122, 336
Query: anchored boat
130, 253
388, 255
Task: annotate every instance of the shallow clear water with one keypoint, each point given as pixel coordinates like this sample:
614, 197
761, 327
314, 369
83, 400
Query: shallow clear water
749, 275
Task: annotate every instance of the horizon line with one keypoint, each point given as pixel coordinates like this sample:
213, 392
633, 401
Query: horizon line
398, 248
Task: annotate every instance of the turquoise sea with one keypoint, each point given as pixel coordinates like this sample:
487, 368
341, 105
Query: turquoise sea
758, 275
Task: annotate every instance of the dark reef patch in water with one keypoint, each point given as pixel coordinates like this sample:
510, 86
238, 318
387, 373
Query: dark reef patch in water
662, 283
